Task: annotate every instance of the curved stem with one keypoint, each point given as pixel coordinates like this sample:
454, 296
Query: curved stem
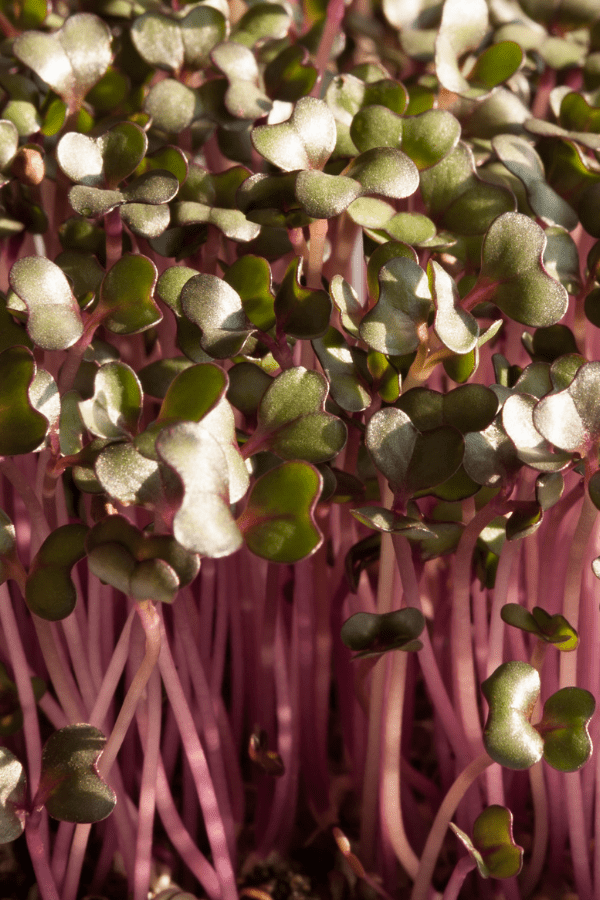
39, 858
572, 590
151, 624
540, 829
370, 793
390, 783
461, 870
200, 773
442, 821
463, 668
427, 660
150, 723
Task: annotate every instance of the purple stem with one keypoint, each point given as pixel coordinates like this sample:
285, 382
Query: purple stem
149, 721
462, 868
39, 859
204, 785
181, 839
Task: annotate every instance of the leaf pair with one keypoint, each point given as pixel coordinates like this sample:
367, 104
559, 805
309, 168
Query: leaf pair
561, 737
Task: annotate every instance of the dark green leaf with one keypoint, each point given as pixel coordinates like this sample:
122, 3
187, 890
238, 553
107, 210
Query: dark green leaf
49, 591
278, 522
70, 787
509, 737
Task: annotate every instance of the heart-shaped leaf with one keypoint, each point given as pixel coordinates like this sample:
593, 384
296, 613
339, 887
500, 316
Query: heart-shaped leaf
404, 304
193, 392
382, 519
251, 277
386, 171
458, 330
70, 787
564, 728
512, 262
114, 410
127, 475
552, 629
13, 797
71, 60
457, 34
521, 159
172, 106
305, 141
457, 196
203, 522
278, 522
54, 321
158, 39
518, 421
429, 137
292, 421
22, 427
142, 565
347, 388
372, 634
301, 312
509, 737
493, 846
289, 76
570, 419
49, 591
324, 196
126, 296
216, 308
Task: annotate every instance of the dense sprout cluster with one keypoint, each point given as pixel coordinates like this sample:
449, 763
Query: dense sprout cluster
299, 408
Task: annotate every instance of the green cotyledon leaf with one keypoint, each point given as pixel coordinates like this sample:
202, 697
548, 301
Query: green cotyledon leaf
203, 522
305, 141
371, 634
493, 846
552, 629
278, 522
512, 267
49, 591
22, 427
71, 787
292, 421
126, 295
71, 60
509, 737
54, 320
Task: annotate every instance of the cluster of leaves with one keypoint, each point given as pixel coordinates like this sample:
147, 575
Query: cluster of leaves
178, 135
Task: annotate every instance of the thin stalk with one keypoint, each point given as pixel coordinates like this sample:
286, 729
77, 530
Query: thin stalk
39, 858
204, 786
540, 829
427, 658
18, 660
461, 870
370, 792
333, 22
181, 838
113, 675
149, 721
572, 589
390, 781
463, 668
441, 822
318, 233
150, 623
